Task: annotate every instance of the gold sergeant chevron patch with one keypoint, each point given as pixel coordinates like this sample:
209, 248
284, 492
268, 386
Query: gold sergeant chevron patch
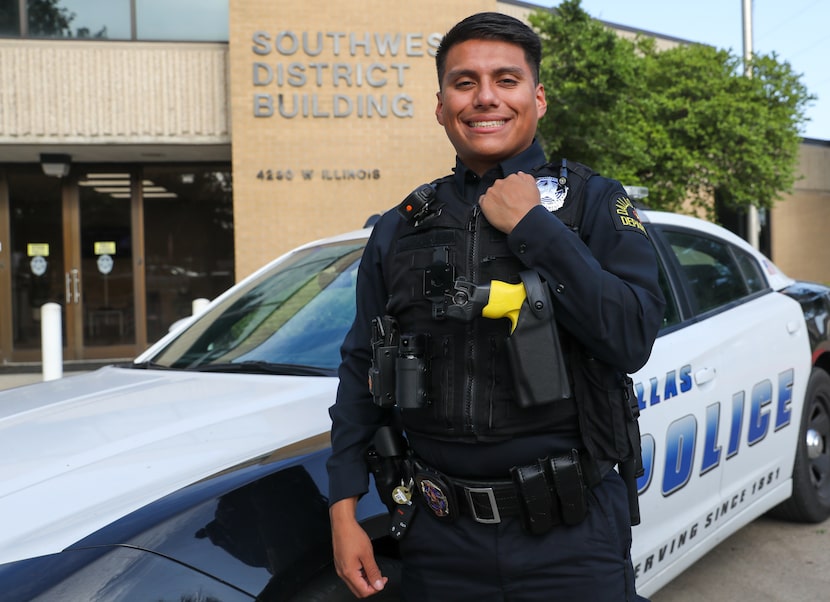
625, 217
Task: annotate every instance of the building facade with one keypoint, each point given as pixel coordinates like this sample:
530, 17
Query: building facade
152, 154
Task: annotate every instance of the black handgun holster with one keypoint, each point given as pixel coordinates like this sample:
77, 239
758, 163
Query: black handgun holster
534, 349
387, 459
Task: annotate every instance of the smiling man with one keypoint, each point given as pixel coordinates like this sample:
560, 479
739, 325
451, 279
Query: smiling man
504, 488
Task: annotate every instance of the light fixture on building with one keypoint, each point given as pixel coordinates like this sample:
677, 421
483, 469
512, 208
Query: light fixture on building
55, 165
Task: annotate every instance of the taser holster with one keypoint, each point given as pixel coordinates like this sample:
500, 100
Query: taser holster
534, 350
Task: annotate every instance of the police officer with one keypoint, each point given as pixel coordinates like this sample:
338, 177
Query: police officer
516, 496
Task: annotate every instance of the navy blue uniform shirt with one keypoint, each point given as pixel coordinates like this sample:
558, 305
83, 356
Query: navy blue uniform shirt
605, 291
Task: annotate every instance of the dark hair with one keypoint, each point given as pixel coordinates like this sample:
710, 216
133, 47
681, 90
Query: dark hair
491, 26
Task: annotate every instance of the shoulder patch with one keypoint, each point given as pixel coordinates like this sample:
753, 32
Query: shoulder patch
624, 215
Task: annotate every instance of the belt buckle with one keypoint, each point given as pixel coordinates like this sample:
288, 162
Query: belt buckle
491, 498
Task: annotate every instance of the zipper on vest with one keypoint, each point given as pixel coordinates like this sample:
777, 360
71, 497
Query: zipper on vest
447, 388
491, 391
474, 228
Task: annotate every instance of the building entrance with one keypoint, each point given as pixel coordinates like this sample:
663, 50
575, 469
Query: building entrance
71, 243
124, 252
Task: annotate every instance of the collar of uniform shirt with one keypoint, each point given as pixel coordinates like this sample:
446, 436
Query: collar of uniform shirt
471, 187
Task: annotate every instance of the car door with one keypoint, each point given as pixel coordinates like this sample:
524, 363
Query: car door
718, 416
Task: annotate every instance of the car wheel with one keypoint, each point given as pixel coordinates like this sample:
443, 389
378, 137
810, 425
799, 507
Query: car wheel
328, 587
810, 502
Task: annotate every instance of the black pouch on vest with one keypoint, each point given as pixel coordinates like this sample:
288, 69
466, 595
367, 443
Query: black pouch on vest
608, 416
384, 353
534, 349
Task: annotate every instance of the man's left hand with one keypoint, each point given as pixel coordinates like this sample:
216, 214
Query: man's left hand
508, 200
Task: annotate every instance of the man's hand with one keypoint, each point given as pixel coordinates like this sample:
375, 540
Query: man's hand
354, 557
508, 200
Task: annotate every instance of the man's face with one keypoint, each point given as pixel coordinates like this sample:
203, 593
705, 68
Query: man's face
488, 103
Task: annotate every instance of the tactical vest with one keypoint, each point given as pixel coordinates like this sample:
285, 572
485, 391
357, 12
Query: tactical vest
470, 392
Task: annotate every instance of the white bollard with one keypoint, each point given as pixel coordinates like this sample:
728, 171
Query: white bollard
51, 341
197, 306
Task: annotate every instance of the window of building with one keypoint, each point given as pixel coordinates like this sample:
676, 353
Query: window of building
197, 20
9, 18
168, 20
188, 240
91, 19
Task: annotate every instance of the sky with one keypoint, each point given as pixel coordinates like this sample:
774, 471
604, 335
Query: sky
798, 31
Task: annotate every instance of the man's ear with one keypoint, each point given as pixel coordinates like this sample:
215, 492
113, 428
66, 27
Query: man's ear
541, 101
439, 108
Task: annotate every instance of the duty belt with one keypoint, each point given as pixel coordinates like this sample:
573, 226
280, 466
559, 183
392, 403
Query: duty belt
544, 494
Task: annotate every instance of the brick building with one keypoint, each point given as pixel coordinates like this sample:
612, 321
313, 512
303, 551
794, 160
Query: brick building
151, 155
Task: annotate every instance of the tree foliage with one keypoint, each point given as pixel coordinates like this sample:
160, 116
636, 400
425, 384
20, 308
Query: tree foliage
47, 18
684, 122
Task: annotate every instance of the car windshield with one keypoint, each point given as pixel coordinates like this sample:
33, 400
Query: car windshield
290, 320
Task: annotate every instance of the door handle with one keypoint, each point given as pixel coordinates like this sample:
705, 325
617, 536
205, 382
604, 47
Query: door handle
68, 291
76, 285
704, 375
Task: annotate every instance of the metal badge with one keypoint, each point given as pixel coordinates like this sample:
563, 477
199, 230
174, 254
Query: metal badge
435, 498
552, 191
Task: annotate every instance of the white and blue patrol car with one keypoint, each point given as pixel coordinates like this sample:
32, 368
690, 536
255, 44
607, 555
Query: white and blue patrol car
198, 471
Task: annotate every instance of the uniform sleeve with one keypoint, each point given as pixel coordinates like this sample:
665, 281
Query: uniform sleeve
604, 281
354, 416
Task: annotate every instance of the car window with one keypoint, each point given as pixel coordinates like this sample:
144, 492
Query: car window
671, 315
751, 271
712, 270
295, 314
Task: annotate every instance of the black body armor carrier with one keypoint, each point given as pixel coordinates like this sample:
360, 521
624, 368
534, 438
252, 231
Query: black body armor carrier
468, 391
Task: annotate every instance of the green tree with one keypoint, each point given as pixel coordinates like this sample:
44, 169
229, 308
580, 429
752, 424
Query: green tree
684, 122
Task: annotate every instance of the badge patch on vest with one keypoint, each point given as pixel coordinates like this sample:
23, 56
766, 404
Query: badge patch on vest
625, 217
552, 191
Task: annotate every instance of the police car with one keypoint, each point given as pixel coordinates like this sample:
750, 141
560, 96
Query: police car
198, 470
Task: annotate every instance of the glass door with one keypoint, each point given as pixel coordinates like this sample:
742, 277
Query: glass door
71, 243
36, 254
103, 262
124, 250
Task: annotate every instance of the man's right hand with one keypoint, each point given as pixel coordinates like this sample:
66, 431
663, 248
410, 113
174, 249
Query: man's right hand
354, 557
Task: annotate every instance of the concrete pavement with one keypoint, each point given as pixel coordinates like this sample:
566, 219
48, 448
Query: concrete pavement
9, 381
11, 378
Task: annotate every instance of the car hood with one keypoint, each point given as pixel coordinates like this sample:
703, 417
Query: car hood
80, 452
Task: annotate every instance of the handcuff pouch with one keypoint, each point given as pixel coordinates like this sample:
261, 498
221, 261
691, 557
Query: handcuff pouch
570, 487
538, 508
